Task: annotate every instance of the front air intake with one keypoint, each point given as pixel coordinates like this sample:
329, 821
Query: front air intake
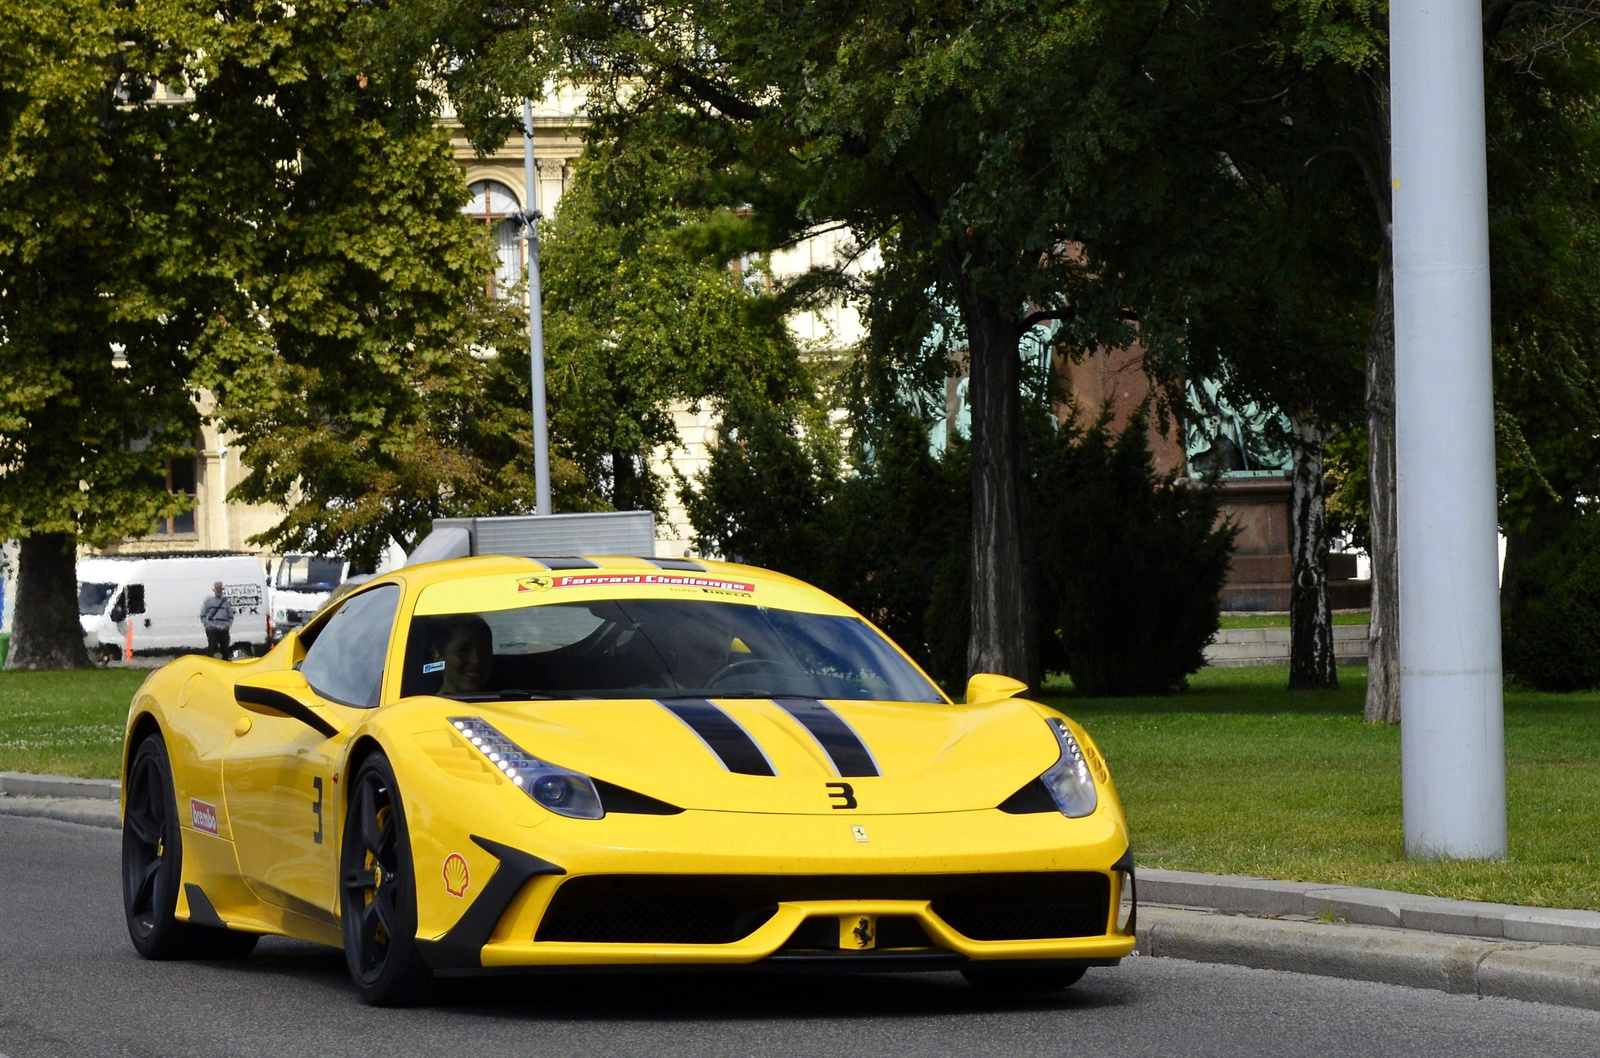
722, 909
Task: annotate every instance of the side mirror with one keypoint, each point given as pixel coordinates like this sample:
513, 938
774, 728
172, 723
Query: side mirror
985, 687
284, 693
119, 609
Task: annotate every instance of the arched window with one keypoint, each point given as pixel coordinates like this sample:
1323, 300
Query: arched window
491, 202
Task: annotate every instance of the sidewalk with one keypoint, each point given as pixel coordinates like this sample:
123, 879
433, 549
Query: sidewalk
1543, 955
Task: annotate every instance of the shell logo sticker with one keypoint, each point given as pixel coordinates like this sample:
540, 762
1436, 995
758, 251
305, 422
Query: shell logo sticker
456, 875
533, 584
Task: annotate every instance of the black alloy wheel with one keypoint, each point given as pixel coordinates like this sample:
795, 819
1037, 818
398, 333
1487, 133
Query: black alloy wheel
378, 896
1012, 980
152, 868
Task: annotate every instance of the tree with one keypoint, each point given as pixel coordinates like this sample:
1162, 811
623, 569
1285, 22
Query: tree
1132, 562
645, 314
972, 142
94, 327
223, 200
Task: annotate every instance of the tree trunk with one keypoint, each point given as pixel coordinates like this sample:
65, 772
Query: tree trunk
1312, 665
1383, 630
45, 633
1005, 637
624, 482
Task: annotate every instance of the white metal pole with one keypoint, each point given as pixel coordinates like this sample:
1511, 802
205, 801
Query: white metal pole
1452, 733
541, 436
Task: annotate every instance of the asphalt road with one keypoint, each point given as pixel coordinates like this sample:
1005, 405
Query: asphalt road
71, 986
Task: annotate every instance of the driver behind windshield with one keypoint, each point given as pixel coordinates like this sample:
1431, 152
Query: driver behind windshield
465, 646
695, 651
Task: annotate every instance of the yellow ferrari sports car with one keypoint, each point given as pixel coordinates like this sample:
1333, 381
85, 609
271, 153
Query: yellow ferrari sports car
494, 763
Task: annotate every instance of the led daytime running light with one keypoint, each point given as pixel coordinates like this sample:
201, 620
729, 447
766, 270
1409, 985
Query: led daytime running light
563, 792
1069, 780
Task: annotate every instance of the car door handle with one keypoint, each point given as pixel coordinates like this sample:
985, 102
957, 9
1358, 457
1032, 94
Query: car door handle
147, 622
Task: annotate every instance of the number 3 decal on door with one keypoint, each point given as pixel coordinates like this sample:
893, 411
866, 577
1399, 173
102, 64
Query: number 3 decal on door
317, 809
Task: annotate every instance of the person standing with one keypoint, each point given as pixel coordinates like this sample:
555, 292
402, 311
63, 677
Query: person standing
216, 613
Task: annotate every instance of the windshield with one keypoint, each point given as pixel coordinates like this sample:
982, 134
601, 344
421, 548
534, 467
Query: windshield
309, 573
92, 598
654, 648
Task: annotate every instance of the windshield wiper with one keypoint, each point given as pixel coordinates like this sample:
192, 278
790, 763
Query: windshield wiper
738, 695
512, 694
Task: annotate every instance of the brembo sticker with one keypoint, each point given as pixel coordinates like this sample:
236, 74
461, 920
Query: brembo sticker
597, 580
456, 876
204, 816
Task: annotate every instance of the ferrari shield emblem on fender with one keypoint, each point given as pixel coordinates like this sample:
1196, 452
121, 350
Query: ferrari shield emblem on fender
859, 833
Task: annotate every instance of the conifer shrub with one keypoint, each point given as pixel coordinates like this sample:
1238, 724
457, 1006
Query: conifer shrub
1550, 625
1131, 564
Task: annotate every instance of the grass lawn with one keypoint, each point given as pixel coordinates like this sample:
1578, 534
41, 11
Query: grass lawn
1240, 776
66, 723
1281, 620
1237, 776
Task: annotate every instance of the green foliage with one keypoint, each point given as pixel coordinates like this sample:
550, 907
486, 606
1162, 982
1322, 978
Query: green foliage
765, 494
353, 350
890, 538
643, 315
93, 258
230, 201
1346, 481
1543, 119
1132, 564
1551, 625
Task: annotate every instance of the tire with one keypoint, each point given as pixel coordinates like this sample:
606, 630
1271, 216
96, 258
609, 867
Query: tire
1014, 980
152, 867
378, 894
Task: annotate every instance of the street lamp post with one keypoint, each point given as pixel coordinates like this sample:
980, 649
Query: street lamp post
1452, 735
528, 218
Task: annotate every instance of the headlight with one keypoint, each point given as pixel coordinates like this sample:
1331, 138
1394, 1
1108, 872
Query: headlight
1069, 780
563, 792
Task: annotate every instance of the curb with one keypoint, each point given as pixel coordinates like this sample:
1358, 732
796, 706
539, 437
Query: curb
94, 812
1371, 907
20, 784
1565, 975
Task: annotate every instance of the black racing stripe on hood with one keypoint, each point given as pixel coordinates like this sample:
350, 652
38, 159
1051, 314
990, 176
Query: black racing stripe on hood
850, 755
722, 735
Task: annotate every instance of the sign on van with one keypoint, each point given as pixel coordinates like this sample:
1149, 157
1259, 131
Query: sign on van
246, 598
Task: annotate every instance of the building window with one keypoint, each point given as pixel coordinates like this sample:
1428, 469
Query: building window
183, 476
492, 203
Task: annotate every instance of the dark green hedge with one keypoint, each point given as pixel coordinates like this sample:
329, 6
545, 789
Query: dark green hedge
1130, 564
1550, 630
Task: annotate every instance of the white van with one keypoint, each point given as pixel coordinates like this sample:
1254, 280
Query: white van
161, 596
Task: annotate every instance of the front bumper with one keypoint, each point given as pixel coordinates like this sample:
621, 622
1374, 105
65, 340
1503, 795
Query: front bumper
809, 893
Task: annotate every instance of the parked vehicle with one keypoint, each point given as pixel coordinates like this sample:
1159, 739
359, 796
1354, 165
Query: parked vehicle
161, 596
300, 585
